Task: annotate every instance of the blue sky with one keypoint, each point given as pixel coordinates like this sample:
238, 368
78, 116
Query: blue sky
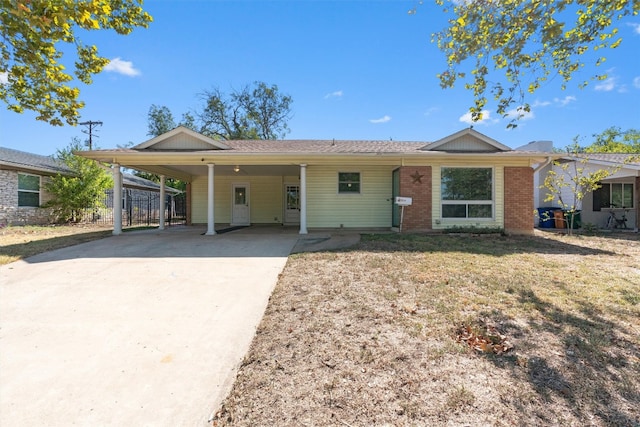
355, 70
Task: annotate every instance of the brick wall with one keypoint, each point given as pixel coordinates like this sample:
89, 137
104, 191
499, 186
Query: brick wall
518, 200
10, 213
415, 182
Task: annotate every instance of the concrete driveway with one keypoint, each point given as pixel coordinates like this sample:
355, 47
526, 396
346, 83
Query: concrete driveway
146, 328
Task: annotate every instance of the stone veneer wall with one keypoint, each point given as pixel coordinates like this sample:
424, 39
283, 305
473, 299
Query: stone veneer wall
518, 200
415, 182
10, 213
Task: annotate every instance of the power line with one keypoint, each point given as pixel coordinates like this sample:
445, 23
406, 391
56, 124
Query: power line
91, 124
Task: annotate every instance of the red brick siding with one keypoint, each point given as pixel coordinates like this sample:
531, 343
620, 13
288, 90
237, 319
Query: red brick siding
518, 200
415, 182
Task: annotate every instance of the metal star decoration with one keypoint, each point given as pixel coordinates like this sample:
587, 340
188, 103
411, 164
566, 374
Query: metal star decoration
416, 177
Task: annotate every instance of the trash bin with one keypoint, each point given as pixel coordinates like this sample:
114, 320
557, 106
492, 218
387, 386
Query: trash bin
559, 219
577, 220
545, 216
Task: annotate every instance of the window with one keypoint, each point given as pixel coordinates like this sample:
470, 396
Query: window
467, 192
28, 190
349, 182
617, 195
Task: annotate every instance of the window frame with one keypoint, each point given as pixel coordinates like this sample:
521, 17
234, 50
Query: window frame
23, 190
467, 203
358, 182
595, 195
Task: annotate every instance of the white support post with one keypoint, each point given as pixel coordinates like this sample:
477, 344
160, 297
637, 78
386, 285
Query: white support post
117, 200
303, 199
162, 202
210, 205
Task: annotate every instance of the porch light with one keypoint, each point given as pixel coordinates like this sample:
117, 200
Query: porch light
236, 168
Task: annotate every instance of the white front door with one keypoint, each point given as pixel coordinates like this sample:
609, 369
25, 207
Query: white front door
240, 199
292, 204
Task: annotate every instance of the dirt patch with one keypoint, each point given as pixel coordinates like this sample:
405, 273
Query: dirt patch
326, 242
371, 335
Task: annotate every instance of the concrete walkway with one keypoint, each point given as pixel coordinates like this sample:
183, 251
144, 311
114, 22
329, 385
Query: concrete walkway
146, 328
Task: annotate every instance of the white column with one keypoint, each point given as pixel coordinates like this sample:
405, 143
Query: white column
303, 199
117, 200
210, 217
162, 202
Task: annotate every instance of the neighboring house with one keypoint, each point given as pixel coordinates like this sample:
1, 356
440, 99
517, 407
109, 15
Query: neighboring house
619, 192
466, 179
23, 177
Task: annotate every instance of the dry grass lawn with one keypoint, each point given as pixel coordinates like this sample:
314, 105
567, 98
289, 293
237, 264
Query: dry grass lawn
370, 336
437, 330
18, 242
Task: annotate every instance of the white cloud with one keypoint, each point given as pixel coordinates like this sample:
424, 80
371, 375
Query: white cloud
607, 85
431, 111
541, 103
4, 78
466, 118
520, 114
636, 27
384, 119
336, 94
565, 101
636, 82
119, 66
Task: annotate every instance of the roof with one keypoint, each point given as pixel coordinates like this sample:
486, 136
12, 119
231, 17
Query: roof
323, 146
16, 159
21, 160
625, 160
182, 139
129, 180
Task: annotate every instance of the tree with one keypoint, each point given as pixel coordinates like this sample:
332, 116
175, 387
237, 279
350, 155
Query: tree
160, 120
84, 190
528, 42
569, 181
255, 112
615, 140
33, 36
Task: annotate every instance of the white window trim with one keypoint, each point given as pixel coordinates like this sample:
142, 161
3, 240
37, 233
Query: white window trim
349, 194
492, 202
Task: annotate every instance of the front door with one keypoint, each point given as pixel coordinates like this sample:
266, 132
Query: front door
240, 210
292, 204
395, 192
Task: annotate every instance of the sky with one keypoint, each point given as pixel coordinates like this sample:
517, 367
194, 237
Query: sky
356, 69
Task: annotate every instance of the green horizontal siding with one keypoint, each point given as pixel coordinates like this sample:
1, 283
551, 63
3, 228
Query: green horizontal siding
327, 208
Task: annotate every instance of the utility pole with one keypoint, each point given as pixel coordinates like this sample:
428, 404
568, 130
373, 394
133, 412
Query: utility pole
91, 124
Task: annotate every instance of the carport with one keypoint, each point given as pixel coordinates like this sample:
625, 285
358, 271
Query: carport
187, 155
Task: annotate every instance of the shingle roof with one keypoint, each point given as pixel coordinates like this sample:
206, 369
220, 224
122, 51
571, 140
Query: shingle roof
30, 161
323, 146
36, 162
308, 146
615, 159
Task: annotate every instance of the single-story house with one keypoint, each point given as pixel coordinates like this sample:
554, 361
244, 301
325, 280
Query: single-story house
465, 179
23, 177
619, 192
